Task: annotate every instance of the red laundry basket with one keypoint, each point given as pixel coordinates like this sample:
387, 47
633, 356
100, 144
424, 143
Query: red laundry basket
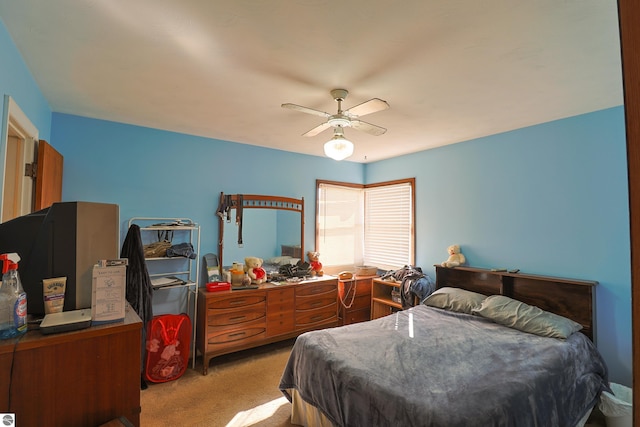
168, 341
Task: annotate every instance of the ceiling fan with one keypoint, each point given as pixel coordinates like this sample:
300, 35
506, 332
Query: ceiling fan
345, 118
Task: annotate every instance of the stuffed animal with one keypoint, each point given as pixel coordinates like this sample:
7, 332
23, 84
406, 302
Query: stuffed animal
253, 268
455, 257
316, 265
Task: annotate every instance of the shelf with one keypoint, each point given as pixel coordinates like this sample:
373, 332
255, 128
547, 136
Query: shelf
174, 273
183, 285
388, 302
169, 227
381, 302
182, 230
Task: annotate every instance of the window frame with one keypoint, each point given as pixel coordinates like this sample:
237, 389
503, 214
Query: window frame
319, 182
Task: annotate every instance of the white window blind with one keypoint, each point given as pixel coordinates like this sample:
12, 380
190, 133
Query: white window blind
388, 226
360, 225
339, 224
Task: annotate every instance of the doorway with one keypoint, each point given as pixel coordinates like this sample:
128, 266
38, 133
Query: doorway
18, 150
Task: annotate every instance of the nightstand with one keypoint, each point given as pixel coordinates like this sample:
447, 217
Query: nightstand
354, 299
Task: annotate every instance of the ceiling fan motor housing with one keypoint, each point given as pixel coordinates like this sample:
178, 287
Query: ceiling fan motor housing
339, 120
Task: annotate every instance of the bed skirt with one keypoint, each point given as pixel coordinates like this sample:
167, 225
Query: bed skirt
307, 415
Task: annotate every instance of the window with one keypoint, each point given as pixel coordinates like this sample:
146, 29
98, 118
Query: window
365, 224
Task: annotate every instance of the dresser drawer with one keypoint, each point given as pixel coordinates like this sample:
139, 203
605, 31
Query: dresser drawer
359, 302
355, 316
311, 318
231, 300
280, 299
221, 318
303, 304
221, 338
303, 291
280, 323
361, 286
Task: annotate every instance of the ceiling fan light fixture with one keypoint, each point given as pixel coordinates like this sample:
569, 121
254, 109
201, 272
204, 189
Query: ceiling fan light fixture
338, 147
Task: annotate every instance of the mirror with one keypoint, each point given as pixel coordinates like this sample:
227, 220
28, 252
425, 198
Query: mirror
264, 232
272, 226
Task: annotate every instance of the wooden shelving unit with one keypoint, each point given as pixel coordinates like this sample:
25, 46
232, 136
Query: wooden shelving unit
381, 302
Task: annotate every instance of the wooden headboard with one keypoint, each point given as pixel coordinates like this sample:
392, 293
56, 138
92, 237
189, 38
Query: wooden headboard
574, 299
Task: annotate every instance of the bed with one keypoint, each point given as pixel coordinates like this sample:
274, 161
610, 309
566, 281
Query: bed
453, 361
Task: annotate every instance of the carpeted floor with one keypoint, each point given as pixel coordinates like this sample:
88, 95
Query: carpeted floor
241, 389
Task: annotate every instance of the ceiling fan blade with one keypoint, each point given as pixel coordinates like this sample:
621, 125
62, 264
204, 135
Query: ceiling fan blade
367, 127
305, 110
367, 107
316, 130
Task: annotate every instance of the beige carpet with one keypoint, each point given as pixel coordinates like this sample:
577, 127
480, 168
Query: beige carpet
241, 389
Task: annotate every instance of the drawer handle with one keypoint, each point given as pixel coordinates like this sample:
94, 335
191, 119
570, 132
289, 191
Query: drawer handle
237, 318
315, 318
237, 334
237, 302
316, 303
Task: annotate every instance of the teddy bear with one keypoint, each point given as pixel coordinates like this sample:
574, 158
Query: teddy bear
455, 257
316, 265
253, 268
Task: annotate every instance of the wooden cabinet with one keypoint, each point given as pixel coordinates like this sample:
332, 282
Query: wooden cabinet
80, 378
231, 321
382, 303
354, 299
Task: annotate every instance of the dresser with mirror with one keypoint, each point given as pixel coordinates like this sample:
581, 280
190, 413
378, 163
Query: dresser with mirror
272, 228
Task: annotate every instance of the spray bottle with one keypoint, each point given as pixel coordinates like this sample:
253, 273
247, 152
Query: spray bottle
13, 299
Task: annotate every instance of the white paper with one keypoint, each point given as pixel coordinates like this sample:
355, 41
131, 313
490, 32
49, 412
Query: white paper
108, 297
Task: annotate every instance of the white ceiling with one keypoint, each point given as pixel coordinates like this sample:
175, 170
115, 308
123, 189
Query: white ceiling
451, 70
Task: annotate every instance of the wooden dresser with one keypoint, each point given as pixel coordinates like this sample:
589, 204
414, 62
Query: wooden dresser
230, 321
354, 299
80, 378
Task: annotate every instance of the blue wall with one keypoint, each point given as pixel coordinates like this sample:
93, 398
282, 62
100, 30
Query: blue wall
550, 199
154, 173
17, 82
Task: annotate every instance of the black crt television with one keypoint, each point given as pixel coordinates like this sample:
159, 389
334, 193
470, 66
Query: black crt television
65, 239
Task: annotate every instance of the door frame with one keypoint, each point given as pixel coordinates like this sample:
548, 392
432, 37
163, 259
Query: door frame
14, 117
629, 16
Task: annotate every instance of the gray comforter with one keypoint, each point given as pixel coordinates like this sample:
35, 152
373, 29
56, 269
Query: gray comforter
444, 369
